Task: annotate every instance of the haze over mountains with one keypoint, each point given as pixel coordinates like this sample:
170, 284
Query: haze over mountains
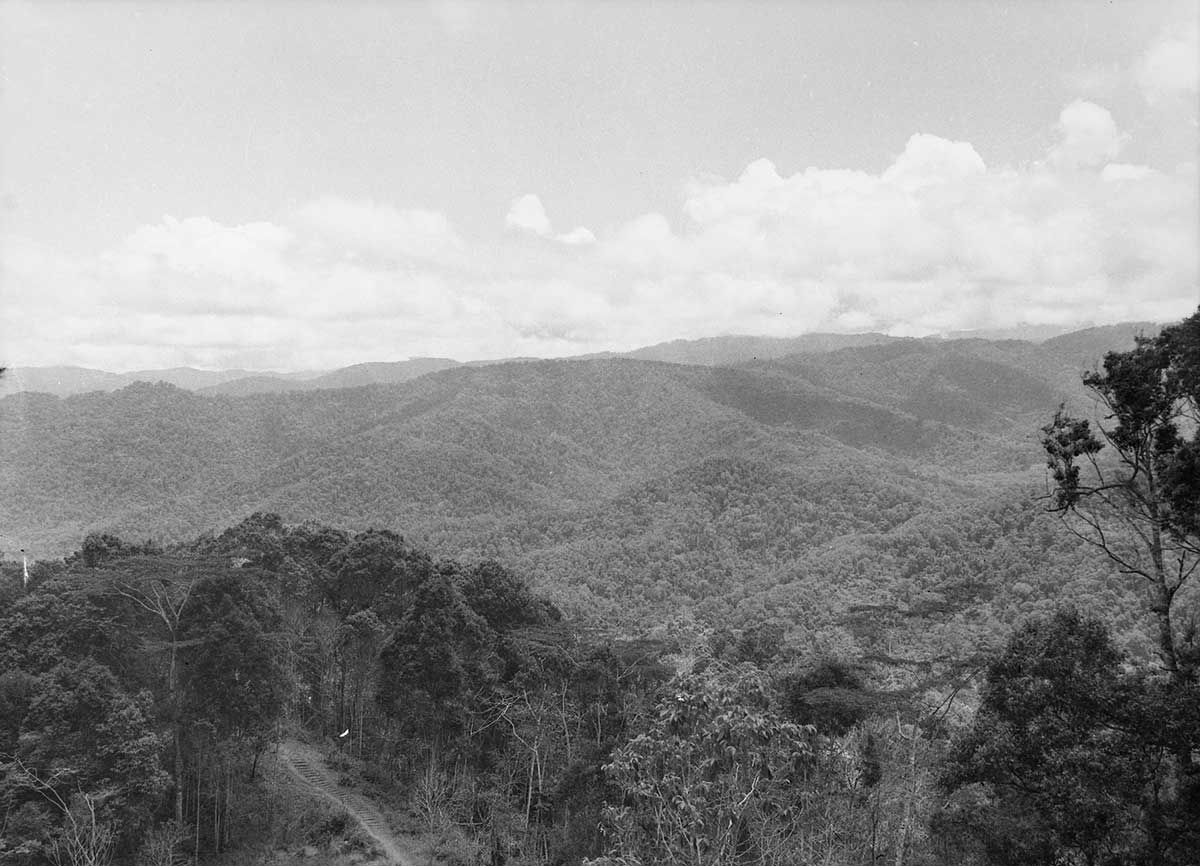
891, 470
64, 381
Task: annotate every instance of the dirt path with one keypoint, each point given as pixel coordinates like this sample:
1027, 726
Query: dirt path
307, 764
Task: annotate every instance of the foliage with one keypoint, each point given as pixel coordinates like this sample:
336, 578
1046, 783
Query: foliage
231, 681
437, 657
1063, 762
831, 696
84, 744
1139, 506
723, 615
715, 777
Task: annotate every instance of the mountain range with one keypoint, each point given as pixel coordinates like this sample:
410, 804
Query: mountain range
64, 381
867, 473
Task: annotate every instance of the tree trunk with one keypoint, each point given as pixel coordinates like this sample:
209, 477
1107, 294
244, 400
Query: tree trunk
178, 776
341, 712
1161, 606
905, 821
198, 778
173, 687
1163, 594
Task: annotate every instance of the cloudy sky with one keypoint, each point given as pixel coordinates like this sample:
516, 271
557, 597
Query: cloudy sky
305, 185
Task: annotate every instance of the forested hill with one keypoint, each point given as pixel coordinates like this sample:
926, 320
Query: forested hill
603, 479
750, 609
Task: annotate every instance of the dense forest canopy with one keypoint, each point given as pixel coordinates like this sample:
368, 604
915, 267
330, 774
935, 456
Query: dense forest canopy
703, 616
688, 489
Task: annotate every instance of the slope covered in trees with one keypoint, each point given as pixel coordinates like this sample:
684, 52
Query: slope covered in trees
718, 491
547, 432
799, 625
142, 689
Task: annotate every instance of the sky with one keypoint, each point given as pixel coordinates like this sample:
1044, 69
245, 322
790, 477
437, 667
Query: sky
306, 185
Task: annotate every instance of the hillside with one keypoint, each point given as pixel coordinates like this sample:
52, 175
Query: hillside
833, 546
461, 446
688, 487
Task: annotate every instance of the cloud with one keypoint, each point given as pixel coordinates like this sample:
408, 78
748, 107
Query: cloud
1088, 136
1170, 68
928, 160
577, 235
938, 240
366, 228
528, 215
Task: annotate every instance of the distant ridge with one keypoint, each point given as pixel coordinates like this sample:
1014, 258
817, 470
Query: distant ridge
259, 384
1027, 333
67, 380
1086, 347
1106, 338
381, 373
740, 349
373, 373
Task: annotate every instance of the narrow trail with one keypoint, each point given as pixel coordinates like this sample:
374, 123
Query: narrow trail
307, 764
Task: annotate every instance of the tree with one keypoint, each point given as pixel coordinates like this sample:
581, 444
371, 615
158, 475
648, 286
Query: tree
1066, 761
714, 779
831, 696
232, 689
502, 598
84, 839
163, 591
359, 639
59, 622
87, 750
437, 660
100, 547
1040, 777
376, 569
1131, 486
232, 678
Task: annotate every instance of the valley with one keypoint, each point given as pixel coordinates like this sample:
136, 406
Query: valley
529, 610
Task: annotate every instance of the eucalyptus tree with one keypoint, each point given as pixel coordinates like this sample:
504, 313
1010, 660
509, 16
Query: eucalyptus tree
1130, 484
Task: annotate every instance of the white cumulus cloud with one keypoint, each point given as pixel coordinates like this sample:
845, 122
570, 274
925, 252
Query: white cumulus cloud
928, 160
527, 214
1088, 136
937, 240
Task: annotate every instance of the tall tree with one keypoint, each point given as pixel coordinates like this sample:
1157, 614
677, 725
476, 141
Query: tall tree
162, 590
1130, 485
232, 678
233, 691
437, 660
